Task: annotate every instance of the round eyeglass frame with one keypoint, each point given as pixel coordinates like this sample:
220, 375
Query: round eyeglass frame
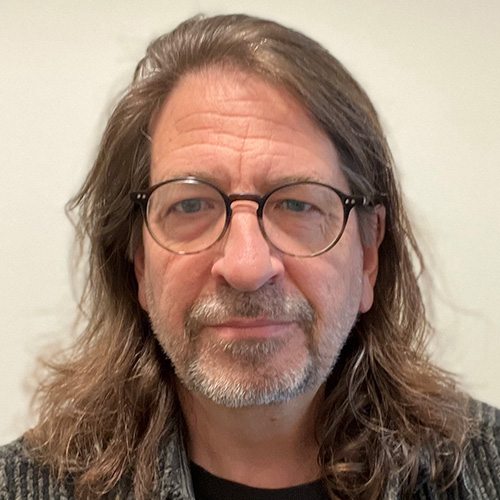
141, 199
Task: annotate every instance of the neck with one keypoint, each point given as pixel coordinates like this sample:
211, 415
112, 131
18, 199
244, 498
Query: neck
271, 446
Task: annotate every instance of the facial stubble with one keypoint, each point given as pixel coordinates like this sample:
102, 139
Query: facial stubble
242, 372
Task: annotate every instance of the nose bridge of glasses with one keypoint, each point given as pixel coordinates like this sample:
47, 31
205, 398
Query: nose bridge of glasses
254, 199
244, 197
245, 203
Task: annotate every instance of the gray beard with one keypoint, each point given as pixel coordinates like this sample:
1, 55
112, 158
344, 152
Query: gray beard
251, 379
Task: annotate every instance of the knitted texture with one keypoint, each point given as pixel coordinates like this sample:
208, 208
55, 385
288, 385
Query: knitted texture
21, 478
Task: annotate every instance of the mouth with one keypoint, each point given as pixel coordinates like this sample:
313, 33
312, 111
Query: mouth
250, 328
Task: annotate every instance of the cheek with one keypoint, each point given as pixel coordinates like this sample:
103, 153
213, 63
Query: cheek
174, 283
330, 281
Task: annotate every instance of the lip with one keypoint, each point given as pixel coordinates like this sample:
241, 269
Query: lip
250, 328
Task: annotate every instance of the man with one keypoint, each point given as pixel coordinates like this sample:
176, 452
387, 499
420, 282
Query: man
255, 328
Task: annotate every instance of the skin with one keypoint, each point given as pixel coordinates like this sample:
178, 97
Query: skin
248, 136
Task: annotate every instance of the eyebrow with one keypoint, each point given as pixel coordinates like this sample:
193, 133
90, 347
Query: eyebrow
203, 176
288, 179
267, 185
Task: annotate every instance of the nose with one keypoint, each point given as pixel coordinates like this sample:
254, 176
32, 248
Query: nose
246, 261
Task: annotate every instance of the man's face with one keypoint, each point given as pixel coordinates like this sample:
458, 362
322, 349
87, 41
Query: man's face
242, 323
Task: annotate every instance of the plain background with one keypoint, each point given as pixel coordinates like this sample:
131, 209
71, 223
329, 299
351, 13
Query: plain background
432, 68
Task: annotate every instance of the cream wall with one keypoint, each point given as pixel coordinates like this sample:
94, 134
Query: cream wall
431, 67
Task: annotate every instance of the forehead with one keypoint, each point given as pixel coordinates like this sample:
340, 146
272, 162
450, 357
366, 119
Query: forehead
239, 131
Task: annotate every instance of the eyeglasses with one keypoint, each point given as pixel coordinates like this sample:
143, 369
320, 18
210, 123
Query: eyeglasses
302, 219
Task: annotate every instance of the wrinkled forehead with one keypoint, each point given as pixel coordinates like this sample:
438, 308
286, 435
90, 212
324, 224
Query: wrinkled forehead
230, 121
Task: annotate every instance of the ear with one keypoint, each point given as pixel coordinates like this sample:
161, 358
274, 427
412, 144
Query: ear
370, 258
139, 269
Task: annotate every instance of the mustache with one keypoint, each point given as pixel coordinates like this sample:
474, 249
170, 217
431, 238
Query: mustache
270, 302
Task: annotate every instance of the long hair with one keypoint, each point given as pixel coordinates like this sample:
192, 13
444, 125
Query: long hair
388, 412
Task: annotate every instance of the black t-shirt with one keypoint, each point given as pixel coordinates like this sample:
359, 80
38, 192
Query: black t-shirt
209, 487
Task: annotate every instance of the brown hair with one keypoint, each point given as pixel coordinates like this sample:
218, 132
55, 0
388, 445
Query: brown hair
104, 409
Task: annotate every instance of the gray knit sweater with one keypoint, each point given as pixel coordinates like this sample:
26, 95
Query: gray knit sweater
22, 479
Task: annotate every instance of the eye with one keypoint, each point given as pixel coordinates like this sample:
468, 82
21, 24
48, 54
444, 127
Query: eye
296, 206
190, 206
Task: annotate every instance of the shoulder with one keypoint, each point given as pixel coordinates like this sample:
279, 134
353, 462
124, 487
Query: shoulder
486, 418
22, 477
479, 478
482, 461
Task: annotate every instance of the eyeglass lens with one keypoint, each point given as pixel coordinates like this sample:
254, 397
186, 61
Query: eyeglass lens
301, 219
